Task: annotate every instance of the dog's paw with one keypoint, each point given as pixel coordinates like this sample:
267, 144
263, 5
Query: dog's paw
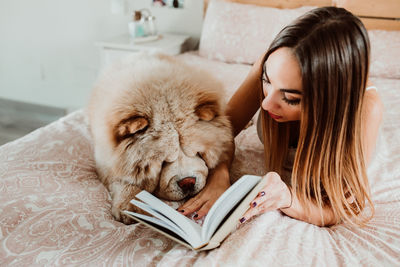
117, 211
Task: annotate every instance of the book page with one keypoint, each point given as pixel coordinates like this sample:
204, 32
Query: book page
163, 220
161, 230
233, 220
226, 202
192, 230
157, 222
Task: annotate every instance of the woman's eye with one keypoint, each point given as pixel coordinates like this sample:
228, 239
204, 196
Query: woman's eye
266, 84
291, 101
265, 80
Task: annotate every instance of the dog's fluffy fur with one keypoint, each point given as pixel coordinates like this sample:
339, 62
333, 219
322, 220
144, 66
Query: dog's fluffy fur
154, 121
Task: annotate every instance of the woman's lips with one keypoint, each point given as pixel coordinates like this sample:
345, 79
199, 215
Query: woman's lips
276, 117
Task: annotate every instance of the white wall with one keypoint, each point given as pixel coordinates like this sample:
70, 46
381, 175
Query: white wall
47, 51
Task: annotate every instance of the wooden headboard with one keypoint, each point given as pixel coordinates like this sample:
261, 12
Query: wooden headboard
375, 14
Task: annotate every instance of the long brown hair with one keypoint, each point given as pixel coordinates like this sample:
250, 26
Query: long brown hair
332, 47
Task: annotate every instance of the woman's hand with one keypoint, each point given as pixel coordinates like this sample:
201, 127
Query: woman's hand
217, 183
275, 195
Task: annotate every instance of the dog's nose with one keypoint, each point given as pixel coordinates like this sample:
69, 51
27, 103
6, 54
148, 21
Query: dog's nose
187, 184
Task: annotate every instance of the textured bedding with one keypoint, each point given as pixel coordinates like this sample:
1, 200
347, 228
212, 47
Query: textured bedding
53, 210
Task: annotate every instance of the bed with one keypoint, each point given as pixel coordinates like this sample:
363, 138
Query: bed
54, 210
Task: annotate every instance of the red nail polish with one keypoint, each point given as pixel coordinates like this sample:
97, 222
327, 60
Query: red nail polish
253, 204
262, 193
242, 219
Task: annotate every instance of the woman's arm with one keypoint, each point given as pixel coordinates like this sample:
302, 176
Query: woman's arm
246, 100
313, 215
371, 119
276, 195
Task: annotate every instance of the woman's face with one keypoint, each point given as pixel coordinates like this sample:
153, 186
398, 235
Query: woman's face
282, 86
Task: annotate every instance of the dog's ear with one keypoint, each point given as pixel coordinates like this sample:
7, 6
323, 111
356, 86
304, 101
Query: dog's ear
130, 126
207, 111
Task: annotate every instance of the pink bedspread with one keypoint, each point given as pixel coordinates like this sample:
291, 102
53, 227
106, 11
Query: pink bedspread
53, 210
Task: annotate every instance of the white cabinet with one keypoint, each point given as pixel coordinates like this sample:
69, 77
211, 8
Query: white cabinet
113, 49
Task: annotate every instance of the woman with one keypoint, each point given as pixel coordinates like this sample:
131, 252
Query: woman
317, 107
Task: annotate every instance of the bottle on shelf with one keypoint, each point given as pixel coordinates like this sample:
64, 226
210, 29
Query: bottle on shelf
136, 26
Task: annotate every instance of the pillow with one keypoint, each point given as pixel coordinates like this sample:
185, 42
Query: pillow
239, 33
385, 54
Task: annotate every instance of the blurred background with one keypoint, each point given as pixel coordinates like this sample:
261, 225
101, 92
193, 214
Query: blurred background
48, 57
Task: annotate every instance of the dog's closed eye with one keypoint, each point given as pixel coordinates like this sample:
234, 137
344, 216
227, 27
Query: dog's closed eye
203, 157
207, 111
130, 126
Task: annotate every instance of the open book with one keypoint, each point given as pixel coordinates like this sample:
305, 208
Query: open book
220, 221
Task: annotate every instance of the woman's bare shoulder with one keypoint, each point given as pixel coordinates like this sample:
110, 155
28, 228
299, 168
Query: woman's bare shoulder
373, 106
372, 113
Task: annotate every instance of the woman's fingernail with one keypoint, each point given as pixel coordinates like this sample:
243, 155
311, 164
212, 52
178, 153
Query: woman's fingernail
253, 204
181, 210
242, 219
262, 193
195, 216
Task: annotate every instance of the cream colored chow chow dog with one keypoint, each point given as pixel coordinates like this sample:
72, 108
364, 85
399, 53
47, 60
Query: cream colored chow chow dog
157, 124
